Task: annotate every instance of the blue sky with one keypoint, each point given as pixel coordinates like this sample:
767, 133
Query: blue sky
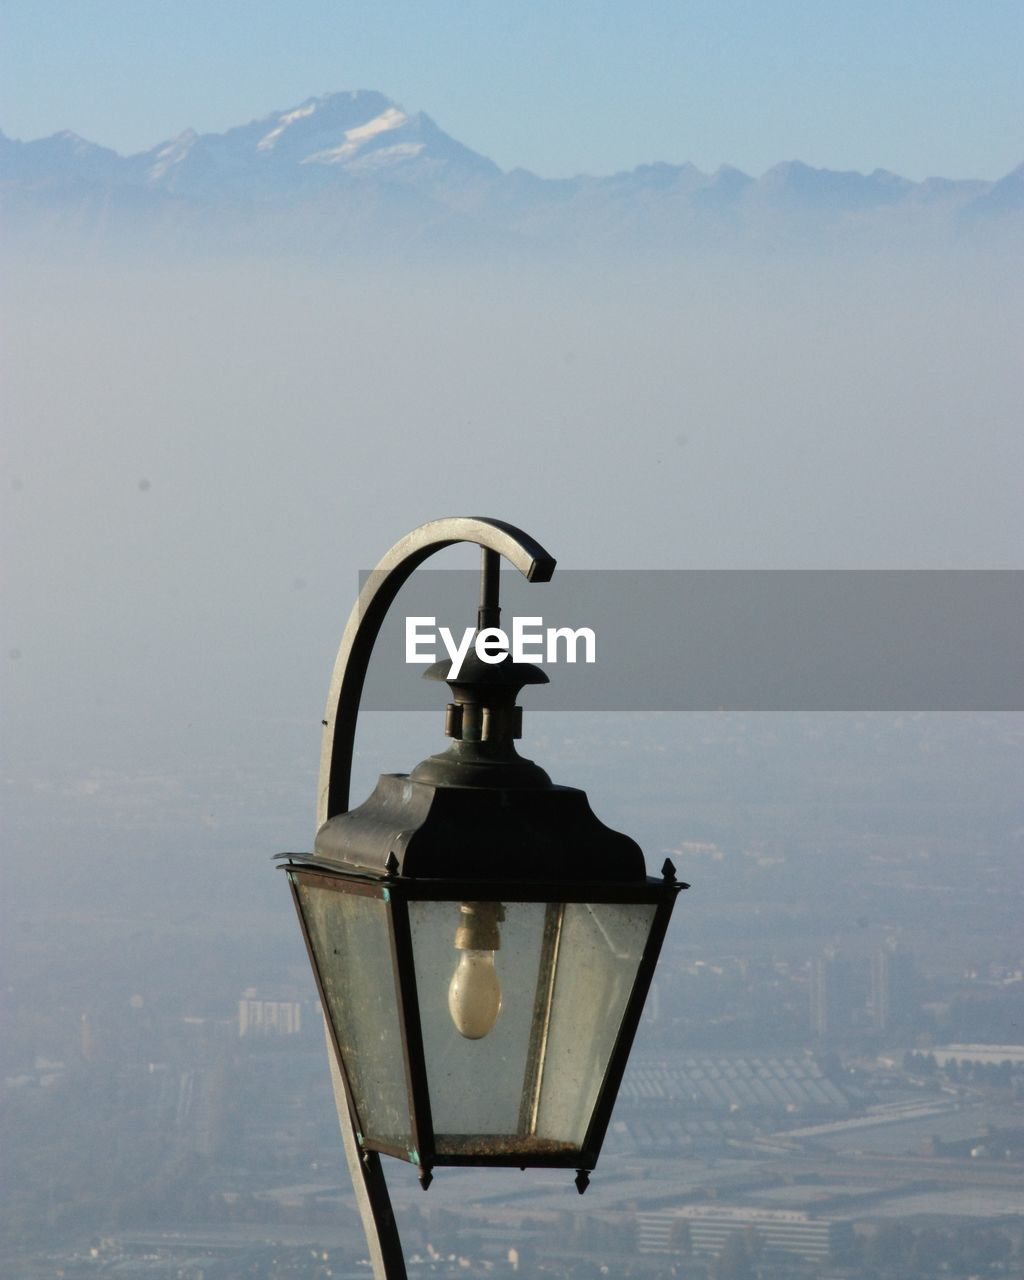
557, 86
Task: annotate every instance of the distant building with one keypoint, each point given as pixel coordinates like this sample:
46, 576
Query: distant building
258, 1016
707, 1228
832, 994
893, 988
988, 1053
699, 1087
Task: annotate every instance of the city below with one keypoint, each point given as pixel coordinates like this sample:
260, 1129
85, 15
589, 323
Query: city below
828, 1082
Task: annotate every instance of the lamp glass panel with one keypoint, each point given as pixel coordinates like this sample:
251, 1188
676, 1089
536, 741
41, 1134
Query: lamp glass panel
349, 937
595, 950
475, 1086
530, 1085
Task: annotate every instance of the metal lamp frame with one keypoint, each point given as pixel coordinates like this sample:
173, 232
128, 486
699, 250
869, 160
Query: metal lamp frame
398, 894
497, 539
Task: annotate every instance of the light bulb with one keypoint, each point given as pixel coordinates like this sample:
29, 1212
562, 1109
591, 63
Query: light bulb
474, 994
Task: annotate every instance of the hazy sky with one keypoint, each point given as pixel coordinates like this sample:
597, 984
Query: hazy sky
917, 86
200, 458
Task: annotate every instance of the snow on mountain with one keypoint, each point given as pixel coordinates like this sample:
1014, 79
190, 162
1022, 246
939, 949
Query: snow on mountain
170, 154
358, 137
266, 143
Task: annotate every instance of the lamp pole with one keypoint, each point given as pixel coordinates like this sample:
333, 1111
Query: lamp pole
475, 854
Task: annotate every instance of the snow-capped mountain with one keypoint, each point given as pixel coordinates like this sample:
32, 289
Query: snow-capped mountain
322, 141
355, 168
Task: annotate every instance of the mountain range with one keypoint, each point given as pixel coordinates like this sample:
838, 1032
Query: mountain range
353, 171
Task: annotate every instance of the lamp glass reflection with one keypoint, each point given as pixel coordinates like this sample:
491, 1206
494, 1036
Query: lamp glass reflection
346, 933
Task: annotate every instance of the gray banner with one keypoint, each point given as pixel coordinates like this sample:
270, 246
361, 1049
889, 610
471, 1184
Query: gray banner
679, 640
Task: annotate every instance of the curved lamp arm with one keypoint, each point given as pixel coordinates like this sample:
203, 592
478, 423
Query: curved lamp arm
364, 624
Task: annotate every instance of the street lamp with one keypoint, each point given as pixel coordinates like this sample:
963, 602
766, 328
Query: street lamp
481, 942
